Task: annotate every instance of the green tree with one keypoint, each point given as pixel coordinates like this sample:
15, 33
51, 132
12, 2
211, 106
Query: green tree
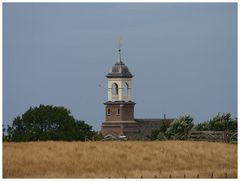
48, 123
232, 125
154, 134
159, 133
220, 122
180, 128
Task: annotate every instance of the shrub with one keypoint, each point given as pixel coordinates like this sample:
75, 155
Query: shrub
159, 133
180, 128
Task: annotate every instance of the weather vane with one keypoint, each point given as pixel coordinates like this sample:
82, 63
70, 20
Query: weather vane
119, 47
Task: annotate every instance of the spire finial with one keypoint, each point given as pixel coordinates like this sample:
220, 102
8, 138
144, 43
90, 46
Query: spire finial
119, 48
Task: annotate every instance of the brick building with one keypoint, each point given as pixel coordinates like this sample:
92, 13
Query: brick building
119, 109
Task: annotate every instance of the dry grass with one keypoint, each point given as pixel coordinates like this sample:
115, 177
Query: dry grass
119, 159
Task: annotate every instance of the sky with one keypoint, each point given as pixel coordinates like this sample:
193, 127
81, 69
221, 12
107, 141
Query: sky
183, 57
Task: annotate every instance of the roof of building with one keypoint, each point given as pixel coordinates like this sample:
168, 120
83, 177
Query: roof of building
119, 70
152, 123
146, 126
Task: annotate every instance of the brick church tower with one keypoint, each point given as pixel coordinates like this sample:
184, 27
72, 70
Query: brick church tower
119, 109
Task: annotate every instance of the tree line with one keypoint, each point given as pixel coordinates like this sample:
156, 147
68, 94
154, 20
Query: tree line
48, 122
180, 127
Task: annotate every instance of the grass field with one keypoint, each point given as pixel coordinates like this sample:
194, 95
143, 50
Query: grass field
119, 159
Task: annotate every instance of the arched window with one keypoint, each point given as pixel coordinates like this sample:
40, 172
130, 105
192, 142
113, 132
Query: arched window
126, 89
114, 89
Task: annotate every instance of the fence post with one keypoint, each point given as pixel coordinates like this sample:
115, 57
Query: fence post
198, 175
141, 176
170, 176
184, 176
155, 176
125, 176
212, 175
226, 175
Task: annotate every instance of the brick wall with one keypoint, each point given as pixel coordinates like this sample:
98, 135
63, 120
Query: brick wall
119, 112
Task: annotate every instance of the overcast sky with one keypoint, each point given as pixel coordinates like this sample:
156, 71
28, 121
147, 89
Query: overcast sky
183, 56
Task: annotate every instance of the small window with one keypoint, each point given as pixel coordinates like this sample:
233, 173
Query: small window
118, 111
108, 111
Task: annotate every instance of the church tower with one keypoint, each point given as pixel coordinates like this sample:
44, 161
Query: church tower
119, 109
